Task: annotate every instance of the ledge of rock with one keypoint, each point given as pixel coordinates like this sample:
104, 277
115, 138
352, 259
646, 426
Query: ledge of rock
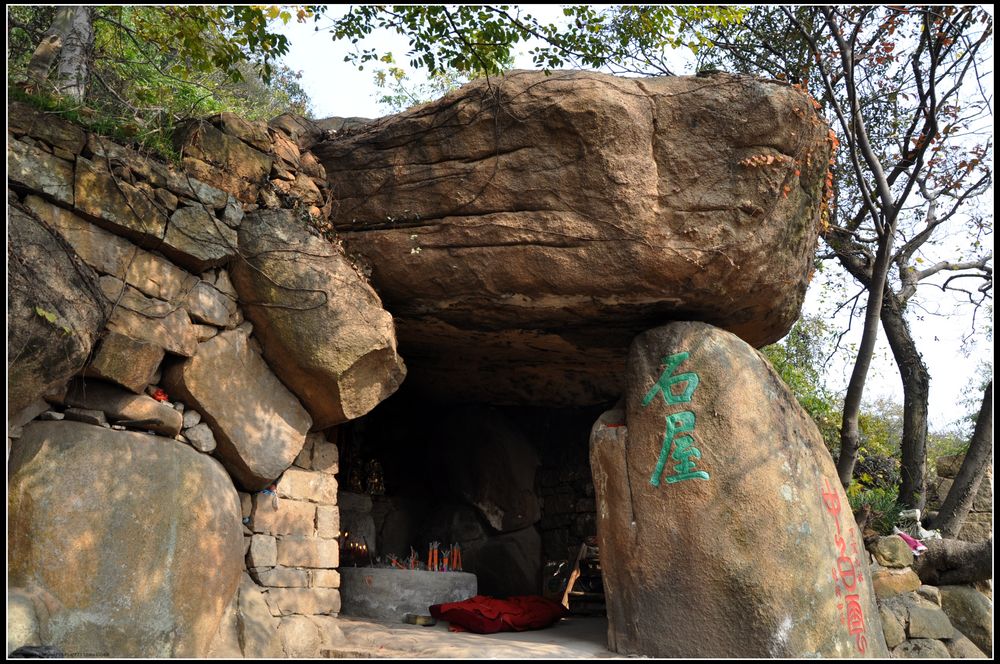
532, 221
321, 327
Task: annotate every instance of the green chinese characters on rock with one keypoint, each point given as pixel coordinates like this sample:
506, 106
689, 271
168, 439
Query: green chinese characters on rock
684, 450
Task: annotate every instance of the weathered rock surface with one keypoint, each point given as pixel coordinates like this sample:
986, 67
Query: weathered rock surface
36, 169
23, 623
887, 582
299, 484
119, 405
86, 415
198, 240
139, 542
322, 328
55, 310
191, 418
289, 601
971, 613
23, 118
720, 513
892, 627
117, 205
201, 438
892, 551
284, 577
263, 551
300, 637
201, 140
303, 131
930, 593
226, 642
961, 647
253, 133
149, 319
128, 362
190, 236
284, 517
921, 649
929, 622
109, 254
207, 304
259, 425
547, 219
258, 629
312, 552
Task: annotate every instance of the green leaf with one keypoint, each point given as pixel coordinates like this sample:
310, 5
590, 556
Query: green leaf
47, 315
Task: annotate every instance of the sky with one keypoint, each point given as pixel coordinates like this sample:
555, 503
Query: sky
338, 88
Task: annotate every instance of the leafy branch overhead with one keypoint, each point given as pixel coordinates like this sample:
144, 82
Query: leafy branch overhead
481, 38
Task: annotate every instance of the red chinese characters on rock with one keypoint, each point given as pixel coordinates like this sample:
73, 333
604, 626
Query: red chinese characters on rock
846, 575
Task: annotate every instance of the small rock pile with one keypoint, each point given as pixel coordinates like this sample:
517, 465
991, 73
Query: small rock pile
926, 621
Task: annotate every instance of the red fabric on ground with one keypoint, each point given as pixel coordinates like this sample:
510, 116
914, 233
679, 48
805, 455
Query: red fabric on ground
488, 615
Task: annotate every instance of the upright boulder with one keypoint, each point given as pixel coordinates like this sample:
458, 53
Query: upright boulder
55, 310
137, 539
259, 426
535, 219
322, 328
720, 513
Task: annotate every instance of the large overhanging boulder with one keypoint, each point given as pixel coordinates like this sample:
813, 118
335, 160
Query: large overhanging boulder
524, 228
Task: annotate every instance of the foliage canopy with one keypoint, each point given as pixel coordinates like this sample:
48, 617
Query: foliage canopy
148, 67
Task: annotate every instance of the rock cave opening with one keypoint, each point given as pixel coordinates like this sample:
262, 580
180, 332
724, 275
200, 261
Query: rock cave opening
511, 486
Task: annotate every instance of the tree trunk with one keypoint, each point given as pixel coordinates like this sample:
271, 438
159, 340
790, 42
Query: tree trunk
48, 49
849, 433
66, 45
949, 562
71, 72
916, 392
963, 491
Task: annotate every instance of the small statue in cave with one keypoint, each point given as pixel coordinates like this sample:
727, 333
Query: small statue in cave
354, 479
376, 482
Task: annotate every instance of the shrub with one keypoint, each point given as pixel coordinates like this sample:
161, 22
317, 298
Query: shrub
876, 471
884, 504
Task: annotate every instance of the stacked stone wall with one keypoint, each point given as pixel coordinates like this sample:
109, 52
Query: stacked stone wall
978, 525
174, 357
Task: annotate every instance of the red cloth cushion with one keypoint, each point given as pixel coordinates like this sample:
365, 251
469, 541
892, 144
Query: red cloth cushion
488, 615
